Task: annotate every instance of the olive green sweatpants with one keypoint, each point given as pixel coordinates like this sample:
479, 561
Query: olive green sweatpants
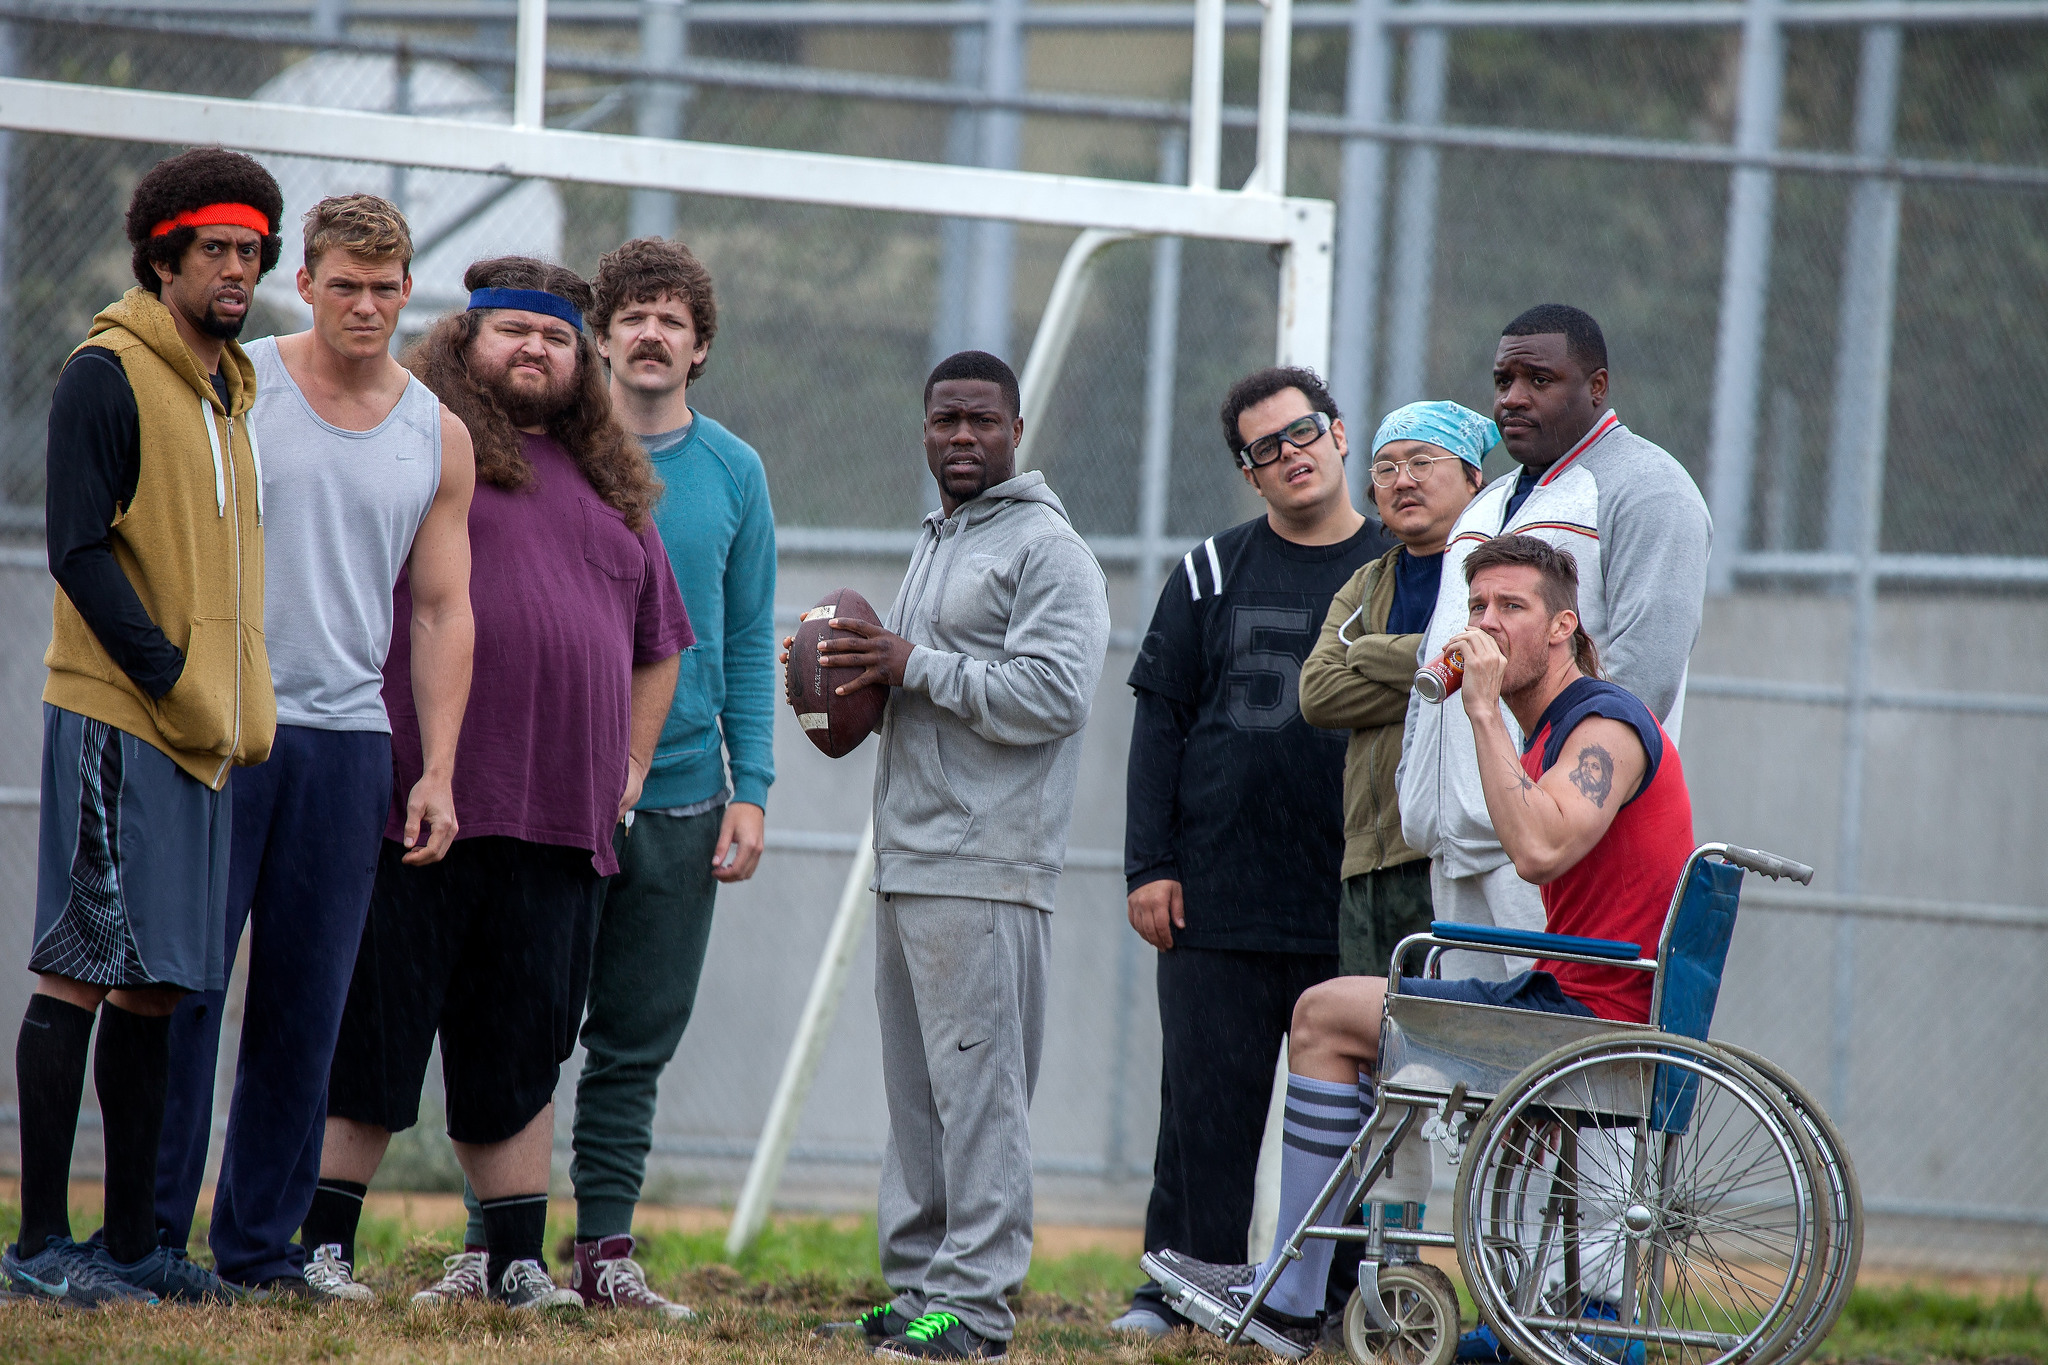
651, 938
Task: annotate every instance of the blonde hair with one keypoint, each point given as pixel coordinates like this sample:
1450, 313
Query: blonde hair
360, 224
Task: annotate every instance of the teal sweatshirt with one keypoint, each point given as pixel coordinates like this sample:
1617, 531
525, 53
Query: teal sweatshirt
720, 533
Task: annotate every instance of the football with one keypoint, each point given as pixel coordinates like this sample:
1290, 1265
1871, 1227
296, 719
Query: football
836, 724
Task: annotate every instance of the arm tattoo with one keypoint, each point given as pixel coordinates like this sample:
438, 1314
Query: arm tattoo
1594, 775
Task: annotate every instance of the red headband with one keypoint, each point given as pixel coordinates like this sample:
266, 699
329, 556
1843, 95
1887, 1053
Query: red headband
213, 215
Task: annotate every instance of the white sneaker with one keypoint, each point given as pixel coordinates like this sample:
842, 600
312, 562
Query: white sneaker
463, 1277
330, 1277
526, 1285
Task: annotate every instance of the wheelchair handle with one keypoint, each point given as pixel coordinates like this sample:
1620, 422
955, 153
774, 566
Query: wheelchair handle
1770, 864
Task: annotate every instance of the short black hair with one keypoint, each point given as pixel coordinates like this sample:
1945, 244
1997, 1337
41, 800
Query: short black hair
977, 365
1583, 340
1259, 385
191, 180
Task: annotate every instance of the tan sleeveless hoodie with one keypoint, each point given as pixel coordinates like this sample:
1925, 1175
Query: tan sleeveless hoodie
191, 543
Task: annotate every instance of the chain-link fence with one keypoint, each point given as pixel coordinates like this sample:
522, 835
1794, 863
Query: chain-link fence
1865, 695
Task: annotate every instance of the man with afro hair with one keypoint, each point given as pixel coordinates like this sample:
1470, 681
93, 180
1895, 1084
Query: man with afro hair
158, 686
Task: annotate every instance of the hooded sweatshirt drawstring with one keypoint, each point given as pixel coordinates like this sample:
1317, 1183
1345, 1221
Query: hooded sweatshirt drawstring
220, 478
255, 457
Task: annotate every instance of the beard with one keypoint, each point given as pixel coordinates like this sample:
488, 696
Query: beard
524, 407
219, 328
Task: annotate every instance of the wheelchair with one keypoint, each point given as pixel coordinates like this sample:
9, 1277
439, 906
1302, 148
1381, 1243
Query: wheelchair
1627, 1194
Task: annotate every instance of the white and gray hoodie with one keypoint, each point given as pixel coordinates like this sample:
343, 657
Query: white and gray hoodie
981, 746
1635, 522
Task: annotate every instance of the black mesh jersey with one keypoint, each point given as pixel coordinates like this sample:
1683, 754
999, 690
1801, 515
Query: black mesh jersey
1229, 790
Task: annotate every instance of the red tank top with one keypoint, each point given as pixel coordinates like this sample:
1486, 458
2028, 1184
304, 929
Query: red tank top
1622, 888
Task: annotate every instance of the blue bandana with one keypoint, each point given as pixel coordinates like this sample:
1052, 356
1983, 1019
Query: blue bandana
1459, 430
528, 300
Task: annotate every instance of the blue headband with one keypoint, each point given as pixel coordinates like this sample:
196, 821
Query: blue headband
528, 300
1459, 430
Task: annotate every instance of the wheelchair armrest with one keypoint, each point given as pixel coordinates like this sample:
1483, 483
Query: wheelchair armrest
1529, 943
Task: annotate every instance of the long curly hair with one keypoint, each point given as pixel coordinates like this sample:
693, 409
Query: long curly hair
190, 180
613, 461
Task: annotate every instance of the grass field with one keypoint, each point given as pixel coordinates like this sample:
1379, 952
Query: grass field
802, 1272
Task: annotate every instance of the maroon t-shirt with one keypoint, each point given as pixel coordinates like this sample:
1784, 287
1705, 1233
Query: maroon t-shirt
568, 602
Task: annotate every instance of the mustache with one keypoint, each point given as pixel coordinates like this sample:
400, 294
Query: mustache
648, 350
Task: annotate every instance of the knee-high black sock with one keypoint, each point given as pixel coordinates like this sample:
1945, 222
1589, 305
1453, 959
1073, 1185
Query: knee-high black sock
130, 1068
337, 1209
49, 1081
515, 1229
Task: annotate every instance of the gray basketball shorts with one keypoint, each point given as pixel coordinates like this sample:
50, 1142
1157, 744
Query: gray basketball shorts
132, 863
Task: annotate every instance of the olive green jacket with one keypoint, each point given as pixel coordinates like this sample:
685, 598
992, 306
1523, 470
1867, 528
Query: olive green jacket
1357, 679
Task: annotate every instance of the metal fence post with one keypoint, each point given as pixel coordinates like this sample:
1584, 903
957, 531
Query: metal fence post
1412, 262
1155, 470
530, 65
1359, 210
1856, 453
1745, 278
329, 18
989, 304
1205, 98
658, 107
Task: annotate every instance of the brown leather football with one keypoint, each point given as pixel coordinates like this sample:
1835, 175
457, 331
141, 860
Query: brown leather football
836, 724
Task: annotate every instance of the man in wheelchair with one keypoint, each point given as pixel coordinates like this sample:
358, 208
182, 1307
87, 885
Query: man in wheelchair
1593, 809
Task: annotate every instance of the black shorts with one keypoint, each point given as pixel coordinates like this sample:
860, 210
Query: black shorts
490, 948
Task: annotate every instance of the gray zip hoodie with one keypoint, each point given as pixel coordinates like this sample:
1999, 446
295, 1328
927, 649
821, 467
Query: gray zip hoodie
981, 746
1635, 523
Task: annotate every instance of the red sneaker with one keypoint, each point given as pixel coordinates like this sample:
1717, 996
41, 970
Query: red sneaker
607, 1276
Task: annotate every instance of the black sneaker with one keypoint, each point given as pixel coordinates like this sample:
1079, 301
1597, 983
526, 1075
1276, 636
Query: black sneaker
877, 1325
941, 1336
1211, 1296
165, 1272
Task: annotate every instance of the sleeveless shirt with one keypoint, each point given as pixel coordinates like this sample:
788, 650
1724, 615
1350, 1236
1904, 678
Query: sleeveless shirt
340, 512
1622, 888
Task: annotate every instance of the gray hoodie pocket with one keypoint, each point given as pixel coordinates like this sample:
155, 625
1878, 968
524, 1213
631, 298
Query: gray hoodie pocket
926, 815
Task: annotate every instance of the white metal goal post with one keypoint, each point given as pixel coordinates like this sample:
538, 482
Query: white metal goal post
1106, 212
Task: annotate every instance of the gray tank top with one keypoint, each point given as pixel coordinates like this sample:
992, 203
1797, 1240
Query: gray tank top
340, 509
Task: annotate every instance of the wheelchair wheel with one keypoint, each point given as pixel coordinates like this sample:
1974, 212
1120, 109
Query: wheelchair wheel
1841, 1204
1637, 1197
1424, 1307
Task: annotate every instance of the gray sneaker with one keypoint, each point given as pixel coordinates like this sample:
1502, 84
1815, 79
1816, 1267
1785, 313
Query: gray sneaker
1140, 1320
66, 1272
526, 1286
463, 1276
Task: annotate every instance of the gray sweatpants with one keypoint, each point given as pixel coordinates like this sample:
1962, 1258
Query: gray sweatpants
960, 988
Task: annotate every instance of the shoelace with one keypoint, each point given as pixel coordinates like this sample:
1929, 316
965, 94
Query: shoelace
931, 1326
464, 1274
85, 1272
180, 1271
877, 1316
525, 1275
326, 1270
624, 1274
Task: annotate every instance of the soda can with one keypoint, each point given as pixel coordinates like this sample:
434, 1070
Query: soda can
1438, 680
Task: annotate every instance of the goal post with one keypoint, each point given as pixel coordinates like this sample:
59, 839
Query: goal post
1104, 211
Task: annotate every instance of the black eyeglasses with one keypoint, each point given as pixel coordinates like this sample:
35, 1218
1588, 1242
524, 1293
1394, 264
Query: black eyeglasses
1302, 431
